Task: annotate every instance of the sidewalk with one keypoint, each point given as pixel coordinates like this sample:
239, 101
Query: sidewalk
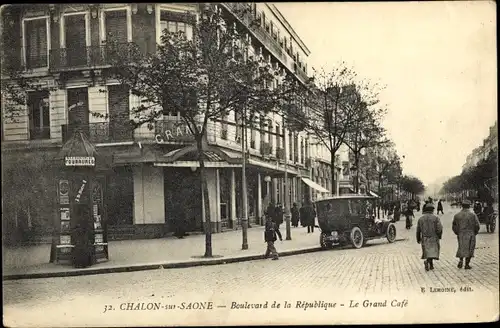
133, 255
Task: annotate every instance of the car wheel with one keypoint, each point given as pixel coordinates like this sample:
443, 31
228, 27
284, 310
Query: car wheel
391, 233
357, 238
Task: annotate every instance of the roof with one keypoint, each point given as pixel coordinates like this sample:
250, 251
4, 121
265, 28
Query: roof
287, 25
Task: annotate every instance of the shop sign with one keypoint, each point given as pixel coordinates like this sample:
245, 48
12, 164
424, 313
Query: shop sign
175, 131
80, 191
79, 161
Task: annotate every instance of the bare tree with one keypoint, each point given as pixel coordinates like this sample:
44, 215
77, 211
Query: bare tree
326, 114
366, 130
203, 79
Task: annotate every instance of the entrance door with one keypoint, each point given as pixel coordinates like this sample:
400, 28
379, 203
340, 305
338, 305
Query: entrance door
78, 111
183, 198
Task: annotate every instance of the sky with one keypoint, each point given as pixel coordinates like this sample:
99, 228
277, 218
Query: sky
436, 59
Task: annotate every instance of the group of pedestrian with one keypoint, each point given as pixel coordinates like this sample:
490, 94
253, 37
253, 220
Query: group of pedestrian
430, 230
306, 215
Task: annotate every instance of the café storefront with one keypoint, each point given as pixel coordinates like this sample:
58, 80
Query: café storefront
166, 183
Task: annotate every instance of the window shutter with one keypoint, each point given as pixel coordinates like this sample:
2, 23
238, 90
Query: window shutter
36, 43
116, 26
118, 103
75, 31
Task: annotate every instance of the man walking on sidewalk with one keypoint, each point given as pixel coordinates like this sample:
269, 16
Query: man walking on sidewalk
278, 219
429, 232
466, 227
270, 238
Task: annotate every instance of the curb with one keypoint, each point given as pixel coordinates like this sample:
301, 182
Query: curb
132, 268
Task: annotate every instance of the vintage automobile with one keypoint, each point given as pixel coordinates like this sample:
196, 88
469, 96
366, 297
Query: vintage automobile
351, 219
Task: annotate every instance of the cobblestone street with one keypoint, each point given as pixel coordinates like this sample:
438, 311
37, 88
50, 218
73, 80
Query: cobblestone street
379, 270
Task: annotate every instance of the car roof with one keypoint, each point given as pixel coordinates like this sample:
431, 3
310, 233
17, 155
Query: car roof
346, 196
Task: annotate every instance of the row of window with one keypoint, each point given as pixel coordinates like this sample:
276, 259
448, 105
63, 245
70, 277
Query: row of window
286, 44
75, 34
78, 109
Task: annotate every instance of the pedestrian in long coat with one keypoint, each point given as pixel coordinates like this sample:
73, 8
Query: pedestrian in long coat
397, 211
295, 215
440, 207
307, 216
429, 232
303, 216
466, 227
270, 210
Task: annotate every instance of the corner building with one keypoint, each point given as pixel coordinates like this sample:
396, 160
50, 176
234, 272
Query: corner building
155, 173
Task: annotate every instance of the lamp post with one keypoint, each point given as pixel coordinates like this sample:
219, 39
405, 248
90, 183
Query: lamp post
267, 179
287, 196
244, 219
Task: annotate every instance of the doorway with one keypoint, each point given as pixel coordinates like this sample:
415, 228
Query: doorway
183, 198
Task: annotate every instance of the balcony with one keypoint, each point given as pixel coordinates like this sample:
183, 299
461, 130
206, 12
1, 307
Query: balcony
241, 11
300, 72
104, 132
35, 61
77, 58
67, 59
280, 153
265, 148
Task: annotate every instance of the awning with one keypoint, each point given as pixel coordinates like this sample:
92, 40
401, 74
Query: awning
371, 193
314, 185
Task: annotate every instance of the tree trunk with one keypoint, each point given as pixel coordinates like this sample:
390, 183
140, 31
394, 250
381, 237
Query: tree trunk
356, 163
332, 171
204, 189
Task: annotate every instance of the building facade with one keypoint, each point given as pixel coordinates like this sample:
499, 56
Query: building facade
490, 143
155, 177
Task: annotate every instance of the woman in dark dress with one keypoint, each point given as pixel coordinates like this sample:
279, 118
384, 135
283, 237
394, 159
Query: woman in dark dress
295, 215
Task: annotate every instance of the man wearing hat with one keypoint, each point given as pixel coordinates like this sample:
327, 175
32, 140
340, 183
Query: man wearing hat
429, 232
466, 227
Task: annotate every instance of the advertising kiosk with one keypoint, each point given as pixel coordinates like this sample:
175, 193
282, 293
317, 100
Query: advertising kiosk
80, 234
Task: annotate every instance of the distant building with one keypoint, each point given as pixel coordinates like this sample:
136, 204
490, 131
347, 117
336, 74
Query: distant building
490, 143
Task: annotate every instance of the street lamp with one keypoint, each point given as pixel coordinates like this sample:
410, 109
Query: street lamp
244, 219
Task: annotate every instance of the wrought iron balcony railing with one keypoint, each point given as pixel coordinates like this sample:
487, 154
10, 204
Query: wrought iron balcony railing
246, 16
82, 57
105, 132
265, 148
33, 61
280, 153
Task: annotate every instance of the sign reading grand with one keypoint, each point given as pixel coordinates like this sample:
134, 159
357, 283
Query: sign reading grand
79, 161
174, 132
